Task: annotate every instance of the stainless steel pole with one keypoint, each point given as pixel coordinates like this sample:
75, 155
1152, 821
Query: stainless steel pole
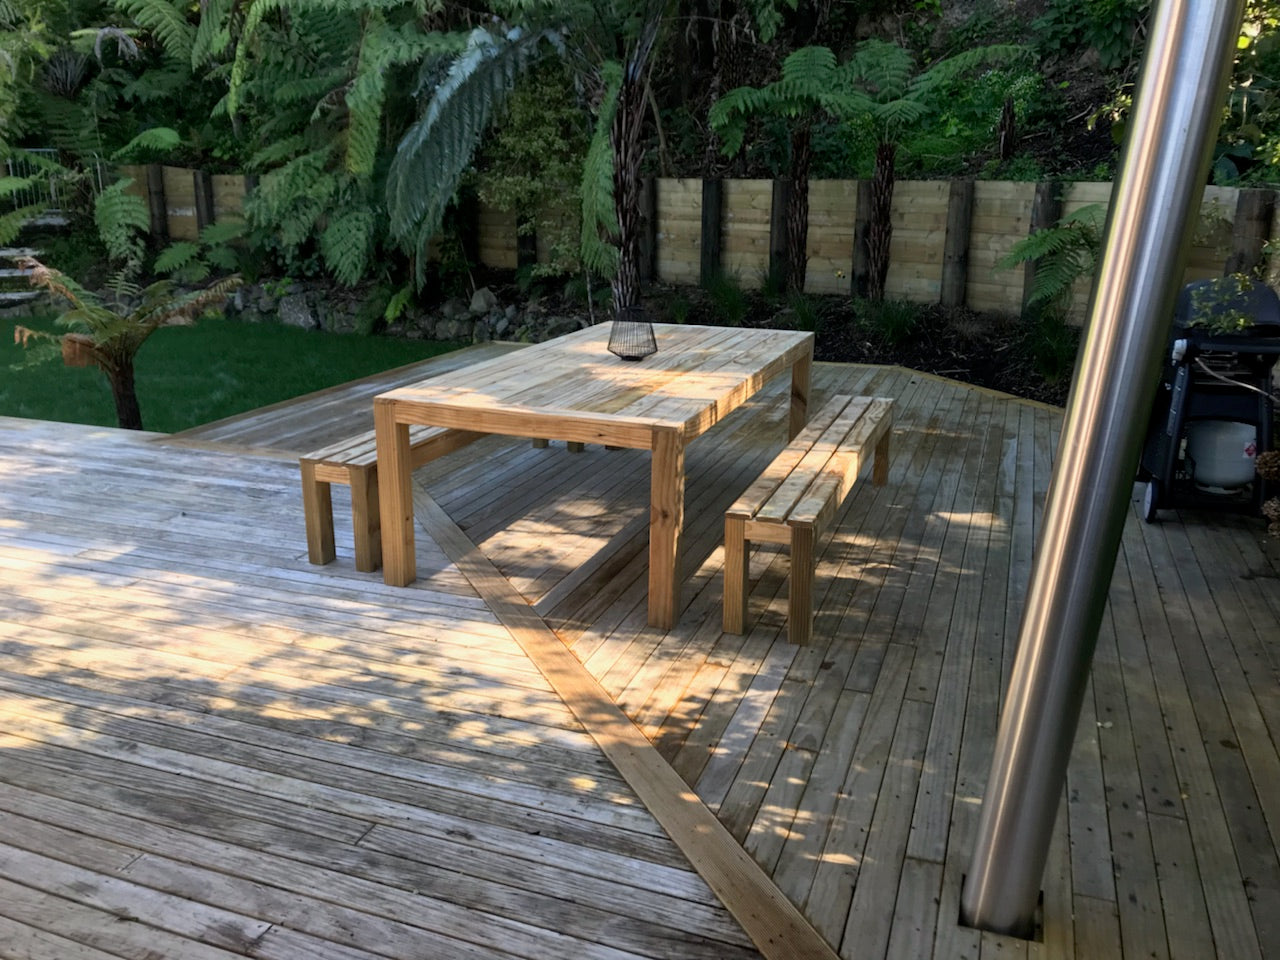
1171, 133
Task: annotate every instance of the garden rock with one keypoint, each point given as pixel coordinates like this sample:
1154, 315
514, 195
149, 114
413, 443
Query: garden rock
296, 312
453, 308
483, 300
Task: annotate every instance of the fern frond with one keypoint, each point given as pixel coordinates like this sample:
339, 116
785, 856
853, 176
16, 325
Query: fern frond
176, 256
1062, 253
146, 144
222, 232
308, 89
276, 151
599, 215
901, 113
882, 69
432, 155
813, 68
945, 71
365, 98
213, 31
122, 220
12, 221
254, 14
160, 307
167, 21
347, 242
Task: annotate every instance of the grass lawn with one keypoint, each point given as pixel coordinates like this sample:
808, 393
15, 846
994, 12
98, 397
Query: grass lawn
187, 376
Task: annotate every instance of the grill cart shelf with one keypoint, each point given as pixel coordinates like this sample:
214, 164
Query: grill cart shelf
1212, 413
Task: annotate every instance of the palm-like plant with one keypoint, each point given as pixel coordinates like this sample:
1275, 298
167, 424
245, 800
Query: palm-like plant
1062, 255
896, 97
610, 45
810, 85
108, 335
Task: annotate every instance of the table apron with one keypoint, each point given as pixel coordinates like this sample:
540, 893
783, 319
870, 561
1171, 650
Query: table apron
579, 427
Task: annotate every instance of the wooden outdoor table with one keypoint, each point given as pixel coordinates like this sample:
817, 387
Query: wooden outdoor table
573, 389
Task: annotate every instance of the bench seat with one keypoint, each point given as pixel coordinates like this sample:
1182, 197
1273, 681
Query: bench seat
797, 496
354, 461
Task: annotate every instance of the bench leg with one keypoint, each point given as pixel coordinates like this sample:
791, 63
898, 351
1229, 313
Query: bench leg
800, 601
317, 507
573, 446
880, 466
540, 443
366, 519
736, 582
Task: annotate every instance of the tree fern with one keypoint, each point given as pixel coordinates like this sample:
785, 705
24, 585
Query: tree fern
122, 220
182, 261
167, 21
347, 242
12, 221
433, 154
254, 14
599, 217
157, 140
1063, 254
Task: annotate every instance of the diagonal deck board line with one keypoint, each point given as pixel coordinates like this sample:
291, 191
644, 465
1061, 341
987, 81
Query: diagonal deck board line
773, 923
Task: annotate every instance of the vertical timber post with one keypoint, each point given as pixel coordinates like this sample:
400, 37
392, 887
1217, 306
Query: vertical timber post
1046, 210
157, 205
202, 187
648, 229
955, 250
860, 275
1154, 203
778, 227
712, 206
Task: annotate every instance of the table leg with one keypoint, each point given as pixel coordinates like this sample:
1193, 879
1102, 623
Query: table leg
395, 469
666, 525
801, 374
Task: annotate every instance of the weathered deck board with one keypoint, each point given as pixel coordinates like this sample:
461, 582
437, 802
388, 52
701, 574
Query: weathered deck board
236, 752
929, 577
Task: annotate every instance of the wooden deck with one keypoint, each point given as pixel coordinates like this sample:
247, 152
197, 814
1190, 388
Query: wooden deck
214, 749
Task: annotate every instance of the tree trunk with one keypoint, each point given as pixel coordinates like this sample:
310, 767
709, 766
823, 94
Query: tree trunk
119, 373
627, 154
880, 229
798, 208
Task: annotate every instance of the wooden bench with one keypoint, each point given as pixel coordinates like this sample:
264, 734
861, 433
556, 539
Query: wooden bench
796, 497
354, 461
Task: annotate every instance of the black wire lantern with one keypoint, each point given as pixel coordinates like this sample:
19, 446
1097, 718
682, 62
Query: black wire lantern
631, 336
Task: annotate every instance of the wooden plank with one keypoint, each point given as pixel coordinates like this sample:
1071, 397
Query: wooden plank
180, 203
871, 911
772, 922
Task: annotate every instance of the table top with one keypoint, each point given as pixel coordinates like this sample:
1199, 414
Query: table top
572, 388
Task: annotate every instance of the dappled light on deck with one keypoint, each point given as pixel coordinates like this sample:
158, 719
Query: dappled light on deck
241, 748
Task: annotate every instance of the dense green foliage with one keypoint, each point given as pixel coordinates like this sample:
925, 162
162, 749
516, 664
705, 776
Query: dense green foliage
362, 119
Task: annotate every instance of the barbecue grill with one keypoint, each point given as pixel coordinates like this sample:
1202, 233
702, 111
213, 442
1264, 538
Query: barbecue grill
1213, 411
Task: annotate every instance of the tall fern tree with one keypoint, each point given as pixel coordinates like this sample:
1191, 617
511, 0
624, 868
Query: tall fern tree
611, 46
320, 83
809, 86
889, 91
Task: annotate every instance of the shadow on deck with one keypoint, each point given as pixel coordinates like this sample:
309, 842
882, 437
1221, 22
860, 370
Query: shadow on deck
851, 770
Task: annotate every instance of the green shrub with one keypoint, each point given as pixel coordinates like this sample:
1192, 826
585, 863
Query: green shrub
728, 300
893, 321
804, 310
1052, 344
